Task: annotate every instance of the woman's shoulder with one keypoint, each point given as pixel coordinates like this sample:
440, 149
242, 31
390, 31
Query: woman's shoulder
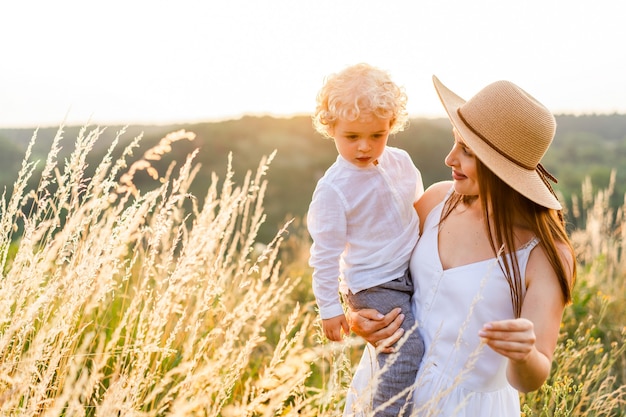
433, 195
539, 264
440, 188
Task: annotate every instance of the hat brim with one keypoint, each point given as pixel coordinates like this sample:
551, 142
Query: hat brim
524, 181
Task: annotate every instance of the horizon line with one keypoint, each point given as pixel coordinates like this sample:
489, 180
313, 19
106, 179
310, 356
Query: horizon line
242, 116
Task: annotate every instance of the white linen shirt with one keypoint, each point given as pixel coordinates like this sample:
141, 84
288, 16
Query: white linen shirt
363, 225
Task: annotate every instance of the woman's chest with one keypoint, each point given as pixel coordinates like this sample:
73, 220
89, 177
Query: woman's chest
462, 242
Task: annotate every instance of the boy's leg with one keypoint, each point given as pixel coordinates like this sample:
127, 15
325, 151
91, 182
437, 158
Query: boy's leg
402, 366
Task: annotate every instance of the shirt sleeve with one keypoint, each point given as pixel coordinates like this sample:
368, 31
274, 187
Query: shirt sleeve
326, 221
419, 186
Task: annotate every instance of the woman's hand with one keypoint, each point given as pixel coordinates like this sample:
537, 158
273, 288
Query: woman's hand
514, 339
517, 340
382, 331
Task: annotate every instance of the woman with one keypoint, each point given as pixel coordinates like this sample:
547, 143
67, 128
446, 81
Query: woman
493, 268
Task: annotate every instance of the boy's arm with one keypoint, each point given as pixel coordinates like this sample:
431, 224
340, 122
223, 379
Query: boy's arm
327, 226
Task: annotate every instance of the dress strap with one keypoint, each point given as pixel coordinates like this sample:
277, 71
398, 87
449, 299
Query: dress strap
449, 193
530, 245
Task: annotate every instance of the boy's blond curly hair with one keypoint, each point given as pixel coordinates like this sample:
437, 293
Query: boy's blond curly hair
360, 90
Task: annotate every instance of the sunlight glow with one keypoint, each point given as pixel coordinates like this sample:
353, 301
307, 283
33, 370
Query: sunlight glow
162, 62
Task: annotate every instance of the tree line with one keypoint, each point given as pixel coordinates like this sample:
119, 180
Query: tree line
587, 146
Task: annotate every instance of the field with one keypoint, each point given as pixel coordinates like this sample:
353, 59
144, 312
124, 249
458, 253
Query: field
117, 301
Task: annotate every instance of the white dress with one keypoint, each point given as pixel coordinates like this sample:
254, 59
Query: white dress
458, 376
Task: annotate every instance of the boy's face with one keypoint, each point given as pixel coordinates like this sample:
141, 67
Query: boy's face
361, 142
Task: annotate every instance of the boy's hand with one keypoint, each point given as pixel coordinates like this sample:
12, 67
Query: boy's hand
333, 327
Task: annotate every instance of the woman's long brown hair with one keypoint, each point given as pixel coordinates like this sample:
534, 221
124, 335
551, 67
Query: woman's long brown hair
502, 206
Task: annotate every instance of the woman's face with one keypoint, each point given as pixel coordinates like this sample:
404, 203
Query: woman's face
463, 163
361, 142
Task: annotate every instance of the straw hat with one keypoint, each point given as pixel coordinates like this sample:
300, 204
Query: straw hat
508, 131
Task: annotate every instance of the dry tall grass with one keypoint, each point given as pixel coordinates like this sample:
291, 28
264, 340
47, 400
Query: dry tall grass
117, 302
589, 372
121, 302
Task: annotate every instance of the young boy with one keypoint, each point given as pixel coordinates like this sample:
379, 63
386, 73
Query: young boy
362, 220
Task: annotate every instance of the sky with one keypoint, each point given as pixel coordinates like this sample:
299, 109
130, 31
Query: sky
160, 62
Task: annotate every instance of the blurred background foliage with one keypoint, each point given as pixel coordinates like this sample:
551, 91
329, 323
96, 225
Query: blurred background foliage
585, 147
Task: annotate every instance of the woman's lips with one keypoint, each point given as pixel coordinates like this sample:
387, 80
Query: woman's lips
458, 176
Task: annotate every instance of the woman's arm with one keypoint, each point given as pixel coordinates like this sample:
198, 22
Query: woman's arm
529, 341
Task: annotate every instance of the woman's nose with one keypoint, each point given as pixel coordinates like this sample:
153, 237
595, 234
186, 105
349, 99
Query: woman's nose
450, 158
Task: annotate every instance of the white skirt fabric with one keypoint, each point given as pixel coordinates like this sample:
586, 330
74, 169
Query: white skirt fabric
458, 376
434, 395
